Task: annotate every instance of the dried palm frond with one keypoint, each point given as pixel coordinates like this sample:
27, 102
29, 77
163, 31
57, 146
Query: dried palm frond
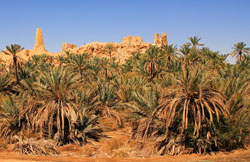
31, 146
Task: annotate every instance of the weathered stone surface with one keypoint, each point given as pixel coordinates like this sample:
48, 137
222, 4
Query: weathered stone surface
39, 43
157, 39
27, 52
120, 51
68, 46
163, 39
132, 40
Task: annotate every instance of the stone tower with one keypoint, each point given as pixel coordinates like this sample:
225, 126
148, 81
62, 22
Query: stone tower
156, 39
39, 44
164, 40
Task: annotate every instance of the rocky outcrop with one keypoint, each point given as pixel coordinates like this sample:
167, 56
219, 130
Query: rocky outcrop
39, 42
68, 46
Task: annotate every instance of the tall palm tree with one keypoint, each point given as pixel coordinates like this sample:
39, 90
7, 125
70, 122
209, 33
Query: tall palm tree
13, 50
239, 50
195, 41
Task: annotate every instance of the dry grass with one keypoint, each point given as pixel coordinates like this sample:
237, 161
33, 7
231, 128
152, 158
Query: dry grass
116, 147
108, 124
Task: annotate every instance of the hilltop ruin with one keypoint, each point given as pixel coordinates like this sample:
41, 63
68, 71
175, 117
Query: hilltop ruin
120, 51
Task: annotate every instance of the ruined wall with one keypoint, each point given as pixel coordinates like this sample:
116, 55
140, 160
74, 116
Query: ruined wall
157, 39
68, 46
120, 51
132, 40
163, 41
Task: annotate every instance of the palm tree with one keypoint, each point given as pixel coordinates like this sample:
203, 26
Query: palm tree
195, 41
145, 101
107, 101
12, 121
5, 82
239, 50
53, 102
190, 107
153, 62
79, 63
13, 50
170, 51
213, 59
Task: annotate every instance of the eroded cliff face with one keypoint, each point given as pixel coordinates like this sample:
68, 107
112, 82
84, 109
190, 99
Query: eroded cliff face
119, 51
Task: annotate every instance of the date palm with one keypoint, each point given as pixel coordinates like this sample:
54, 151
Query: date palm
191, 104
170, 51
107, 101
11, 121
239, 50
153, 62
78, 63
145, 101
13, 50
195, 41
213, 59
4, 83
53, 106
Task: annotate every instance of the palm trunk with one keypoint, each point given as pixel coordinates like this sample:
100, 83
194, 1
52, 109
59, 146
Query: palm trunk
15, 65
240, 53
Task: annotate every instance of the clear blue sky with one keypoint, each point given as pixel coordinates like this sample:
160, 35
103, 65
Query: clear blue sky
220, 23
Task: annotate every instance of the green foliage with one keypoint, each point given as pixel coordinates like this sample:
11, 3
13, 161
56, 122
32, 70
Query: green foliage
186, 100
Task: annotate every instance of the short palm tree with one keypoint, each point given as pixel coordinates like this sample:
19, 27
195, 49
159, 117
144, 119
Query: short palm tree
153, 62
4, 83
78, 63
54, 106
185, 49
12, 121
239, 50
190, 107
145, 101
170, 51
107, 101
13, 50
192, 96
